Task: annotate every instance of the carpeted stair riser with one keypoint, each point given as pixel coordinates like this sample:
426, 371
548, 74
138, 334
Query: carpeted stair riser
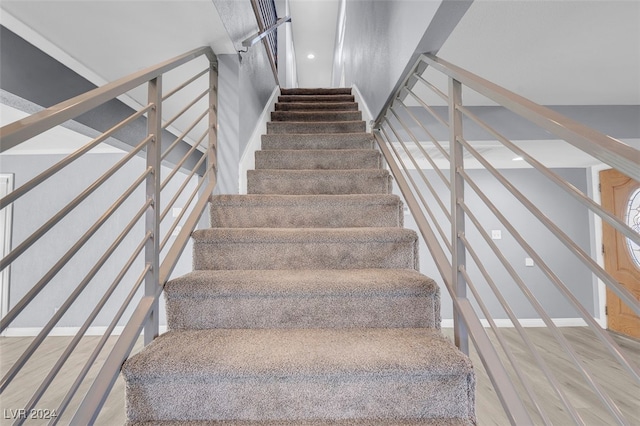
284, 127
316, 106
319, 141
272, 374
306, 211
309, 159
303, 182
369, 298
325, 116
351, 422
316, 98
316, 91
305, 248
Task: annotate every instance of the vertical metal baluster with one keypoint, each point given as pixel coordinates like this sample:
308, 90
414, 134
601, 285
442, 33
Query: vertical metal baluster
212, 150
458, 263
152, 218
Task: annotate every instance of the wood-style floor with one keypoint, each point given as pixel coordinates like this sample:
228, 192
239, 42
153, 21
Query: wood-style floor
489, 411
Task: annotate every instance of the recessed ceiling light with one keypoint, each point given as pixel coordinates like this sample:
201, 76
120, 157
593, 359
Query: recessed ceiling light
311, 56
518, 159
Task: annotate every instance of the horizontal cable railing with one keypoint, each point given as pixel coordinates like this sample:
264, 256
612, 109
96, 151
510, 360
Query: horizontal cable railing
463, 189
110, 243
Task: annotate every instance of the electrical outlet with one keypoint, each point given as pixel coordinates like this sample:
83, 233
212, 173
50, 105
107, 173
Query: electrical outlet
496, 234
176, 231
175, 212
528, 261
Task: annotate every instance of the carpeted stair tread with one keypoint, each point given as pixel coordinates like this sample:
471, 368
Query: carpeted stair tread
219, 354
304, 248
316, 91
302, 299
316, 98
300, 182
316, 106
306, 211
280, 127
319, 141
299, 374
352, 422
328, 282
316, 116
309, 159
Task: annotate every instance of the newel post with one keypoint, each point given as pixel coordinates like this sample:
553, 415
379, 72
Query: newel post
152, 217
212, 150
458, 259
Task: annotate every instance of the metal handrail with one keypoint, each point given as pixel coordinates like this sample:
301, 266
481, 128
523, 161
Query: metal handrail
267, 32
157, 266
253, 39
452, 268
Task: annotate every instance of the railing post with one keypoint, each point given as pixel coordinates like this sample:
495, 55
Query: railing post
212, 149
458, 259
152, 218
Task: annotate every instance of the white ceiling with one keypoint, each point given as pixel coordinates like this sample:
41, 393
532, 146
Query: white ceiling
552, 52
313, 24
569, 52
91, 32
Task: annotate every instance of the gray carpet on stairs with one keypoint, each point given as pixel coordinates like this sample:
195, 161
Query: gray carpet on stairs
319, 141
310, 159
272, 374
306, 211
288, 127
313, 116
331, 298
316, 106
305, 248
316, 98
305, 306
304, 182
351, 422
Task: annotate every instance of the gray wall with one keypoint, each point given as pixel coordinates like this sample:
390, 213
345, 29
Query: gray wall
567, 213
384, 37
245, 83
35, 208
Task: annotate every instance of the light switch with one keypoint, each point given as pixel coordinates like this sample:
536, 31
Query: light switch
528, 261
496, 234
175, 212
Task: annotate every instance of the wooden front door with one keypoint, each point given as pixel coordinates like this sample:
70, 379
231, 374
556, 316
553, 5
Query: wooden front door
621, 258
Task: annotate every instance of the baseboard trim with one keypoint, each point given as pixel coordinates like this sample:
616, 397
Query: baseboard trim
363, 106
248, 160
65, 331
526, 322
446, 323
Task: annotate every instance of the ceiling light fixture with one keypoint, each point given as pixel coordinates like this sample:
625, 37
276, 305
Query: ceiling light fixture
311, 56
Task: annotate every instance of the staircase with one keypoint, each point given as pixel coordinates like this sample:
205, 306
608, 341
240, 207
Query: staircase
305, 306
